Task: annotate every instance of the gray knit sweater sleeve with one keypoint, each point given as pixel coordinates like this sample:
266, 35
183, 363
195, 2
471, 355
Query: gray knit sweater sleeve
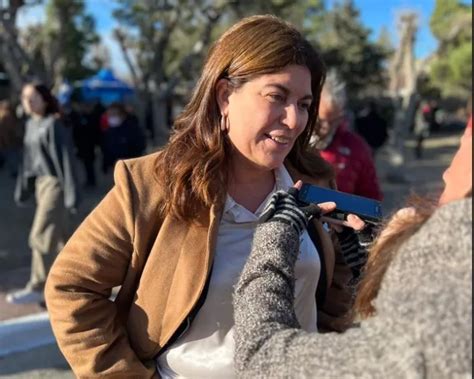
423, 322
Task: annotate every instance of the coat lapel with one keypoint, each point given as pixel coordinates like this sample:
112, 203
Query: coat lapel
181, 258
194, 264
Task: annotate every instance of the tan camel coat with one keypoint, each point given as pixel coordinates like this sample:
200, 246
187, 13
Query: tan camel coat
161, 265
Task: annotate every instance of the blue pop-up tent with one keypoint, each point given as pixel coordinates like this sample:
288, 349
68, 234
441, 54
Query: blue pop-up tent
64, 92
105, 87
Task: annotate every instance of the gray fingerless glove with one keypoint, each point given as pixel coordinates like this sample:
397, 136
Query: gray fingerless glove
353, 251
354, 247
284, 207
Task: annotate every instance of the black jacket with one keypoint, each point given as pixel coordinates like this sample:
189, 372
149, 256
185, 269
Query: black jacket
47, 151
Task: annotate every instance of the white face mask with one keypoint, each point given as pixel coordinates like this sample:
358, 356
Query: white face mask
114, 121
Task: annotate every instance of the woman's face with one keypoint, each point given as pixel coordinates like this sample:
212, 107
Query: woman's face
32, 101
458, 176
266, 115
115, 117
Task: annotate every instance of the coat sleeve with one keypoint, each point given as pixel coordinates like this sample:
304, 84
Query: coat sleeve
61, 151
268, 339
24, 187
95, 259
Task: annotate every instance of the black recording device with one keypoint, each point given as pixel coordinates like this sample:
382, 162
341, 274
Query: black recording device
368, 210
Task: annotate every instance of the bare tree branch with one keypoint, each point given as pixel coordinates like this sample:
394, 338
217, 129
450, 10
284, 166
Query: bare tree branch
121, 39
16, 61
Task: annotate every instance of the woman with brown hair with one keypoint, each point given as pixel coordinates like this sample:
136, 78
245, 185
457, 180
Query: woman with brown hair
47, 171
414, 301
175, 230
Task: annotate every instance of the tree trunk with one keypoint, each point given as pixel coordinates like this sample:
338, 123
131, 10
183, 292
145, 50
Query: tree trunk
17, 63
160, 119
12, 69
403, 85
404, 117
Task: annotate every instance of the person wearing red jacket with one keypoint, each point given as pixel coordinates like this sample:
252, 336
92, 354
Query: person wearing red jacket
349, 154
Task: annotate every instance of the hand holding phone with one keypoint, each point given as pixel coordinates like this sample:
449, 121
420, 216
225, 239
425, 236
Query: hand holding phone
324, 208
368, 210
352, 221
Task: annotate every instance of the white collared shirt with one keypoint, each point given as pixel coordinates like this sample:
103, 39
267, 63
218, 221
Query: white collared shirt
206, 350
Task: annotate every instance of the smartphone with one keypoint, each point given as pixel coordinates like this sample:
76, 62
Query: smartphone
368, 210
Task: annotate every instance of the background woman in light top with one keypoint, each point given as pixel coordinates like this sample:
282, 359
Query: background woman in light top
47, 170
176, 229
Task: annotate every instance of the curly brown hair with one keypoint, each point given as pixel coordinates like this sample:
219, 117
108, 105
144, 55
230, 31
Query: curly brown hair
386, 247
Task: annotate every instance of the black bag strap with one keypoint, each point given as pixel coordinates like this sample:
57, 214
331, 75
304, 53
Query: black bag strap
322, 283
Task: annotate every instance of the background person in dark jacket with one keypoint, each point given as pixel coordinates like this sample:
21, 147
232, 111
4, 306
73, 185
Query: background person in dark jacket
372, 127
46, 169
87, 136
123, 137
11, 136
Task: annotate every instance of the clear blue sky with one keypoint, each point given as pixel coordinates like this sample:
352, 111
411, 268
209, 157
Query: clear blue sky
374, 14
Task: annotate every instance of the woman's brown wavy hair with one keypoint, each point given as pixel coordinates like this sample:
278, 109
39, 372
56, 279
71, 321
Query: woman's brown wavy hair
384, 250
194, 165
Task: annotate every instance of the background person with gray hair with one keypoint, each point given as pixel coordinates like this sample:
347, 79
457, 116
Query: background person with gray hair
349, 154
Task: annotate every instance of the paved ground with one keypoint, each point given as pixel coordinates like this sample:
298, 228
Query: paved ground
46, 361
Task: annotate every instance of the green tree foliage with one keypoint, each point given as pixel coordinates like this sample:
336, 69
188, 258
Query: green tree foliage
450, 20
384, 41
451, 68
290, 10
68, 34
346, 46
